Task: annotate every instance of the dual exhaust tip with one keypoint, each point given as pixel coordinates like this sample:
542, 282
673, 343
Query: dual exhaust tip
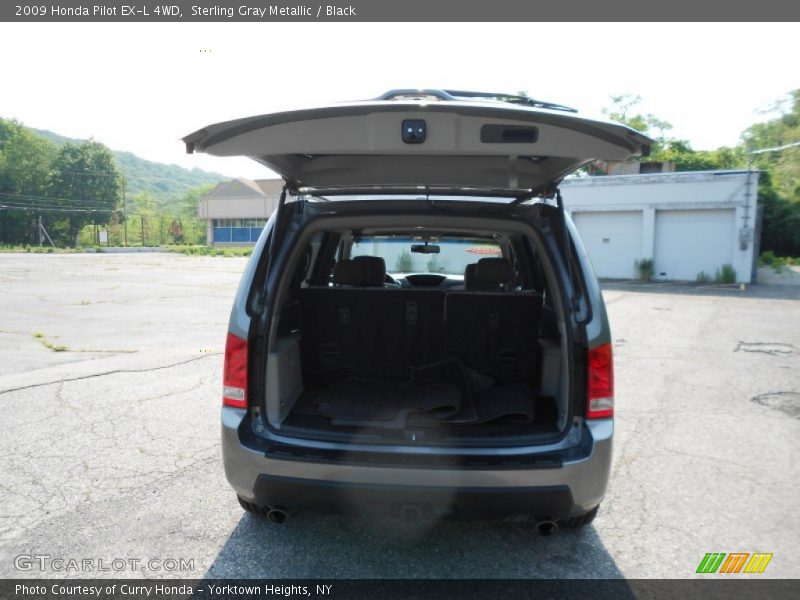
547, 528
279, 516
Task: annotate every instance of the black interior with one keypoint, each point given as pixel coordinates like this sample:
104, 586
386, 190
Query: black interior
394, 358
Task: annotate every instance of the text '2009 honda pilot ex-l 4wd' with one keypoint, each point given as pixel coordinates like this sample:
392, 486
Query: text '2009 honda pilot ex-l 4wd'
419, 332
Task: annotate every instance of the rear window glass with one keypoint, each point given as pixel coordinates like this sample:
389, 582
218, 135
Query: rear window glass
453, 256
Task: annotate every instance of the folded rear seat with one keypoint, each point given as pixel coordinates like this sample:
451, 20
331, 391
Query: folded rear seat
360, 329
491, 329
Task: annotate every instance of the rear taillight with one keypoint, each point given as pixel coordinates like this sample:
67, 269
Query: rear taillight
234, 376
600, 384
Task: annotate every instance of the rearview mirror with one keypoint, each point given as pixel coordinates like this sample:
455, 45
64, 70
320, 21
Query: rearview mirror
425, 249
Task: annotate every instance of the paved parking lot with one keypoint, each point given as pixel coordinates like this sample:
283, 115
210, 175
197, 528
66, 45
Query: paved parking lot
110, 447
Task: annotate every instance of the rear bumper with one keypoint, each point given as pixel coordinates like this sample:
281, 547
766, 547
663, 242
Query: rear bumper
405, 501
570, 488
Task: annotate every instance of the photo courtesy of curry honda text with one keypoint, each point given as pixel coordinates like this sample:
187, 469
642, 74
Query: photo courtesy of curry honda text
419, 332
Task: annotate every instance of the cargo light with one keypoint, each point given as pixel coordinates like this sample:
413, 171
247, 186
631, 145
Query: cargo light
234, 376
600, 383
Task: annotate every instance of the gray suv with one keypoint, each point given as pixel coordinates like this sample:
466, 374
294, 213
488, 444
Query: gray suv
419, 332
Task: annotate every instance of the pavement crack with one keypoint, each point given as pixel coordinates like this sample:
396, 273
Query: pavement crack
785, 402
112, 372
771, 348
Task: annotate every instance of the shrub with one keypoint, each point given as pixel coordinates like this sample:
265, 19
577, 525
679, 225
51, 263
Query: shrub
768, 259
703, 277
645, 269
778, 263
727, 274
404, 263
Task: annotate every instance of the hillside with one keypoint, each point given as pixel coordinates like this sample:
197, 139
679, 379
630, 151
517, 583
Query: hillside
164, 181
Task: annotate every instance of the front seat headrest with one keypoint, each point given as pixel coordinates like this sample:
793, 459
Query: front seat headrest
375, 270
493, 273
469, 276
349, 272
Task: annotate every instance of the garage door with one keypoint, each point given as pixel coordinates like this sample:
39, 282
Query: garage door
612, 239
690, 241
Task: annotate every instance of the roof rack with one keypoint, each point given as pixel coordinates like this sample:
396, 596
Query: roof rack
454, 95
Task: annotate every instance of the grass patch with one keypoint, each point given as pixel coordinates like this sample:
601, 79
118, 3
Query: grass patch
725, 274
48, 344
210, 251
645, 269
703, 277
778, 263
9, 249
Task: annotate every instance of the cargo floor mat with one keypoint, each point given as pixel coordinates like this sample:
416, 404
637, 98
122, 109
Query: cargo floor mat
440, 393
363, 402
513, 402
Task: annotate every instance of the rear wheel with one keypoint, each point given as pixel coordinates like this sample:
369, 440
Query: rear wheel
585, 519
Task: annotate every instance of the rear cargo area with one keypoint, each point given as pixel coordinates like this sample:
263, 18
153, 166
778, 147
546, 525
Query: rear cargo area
407, 364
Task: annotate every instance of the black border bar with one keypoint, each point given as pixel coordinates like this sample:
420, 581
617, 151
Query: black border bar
152, 11
708, 588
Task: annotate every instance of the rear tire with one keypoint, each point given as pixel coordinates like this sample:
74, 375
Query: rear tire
581, 521
260, 511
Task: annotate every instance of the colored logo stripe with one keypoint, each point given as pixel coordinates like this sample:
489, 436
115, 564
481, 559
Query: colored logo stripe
735, 561
758, 562
711, 562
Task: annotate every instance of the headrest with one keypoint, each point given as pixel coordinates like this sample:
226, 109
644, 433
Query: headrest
469, 276
375, 270
349, 272
493, 272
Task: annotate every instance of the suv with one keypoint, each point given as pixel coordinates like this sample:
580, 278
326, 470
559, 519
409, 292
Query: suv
419, 332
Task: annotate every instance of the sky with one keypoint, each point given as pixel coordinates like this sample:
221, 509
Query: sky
140, 87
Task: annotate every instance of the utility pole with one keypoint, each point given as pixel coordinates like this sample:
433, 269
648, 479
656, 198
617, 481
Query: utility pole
124, 211
43, 234
142, 231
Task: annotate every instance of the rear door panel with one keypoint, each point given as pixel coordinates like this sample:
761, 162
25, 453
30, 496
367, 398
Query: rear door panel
467, 145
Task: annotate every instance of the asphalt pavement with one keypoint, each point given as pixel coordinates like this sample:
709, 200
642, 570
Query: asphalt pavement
110, 446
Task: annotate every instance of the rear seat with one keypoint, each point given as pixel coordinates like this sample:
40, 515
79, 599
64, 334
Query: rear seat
358, 328
354, 330
492, 329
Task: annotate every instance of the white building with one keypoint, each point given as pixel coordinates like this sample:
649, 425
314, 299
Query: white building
236, 211
688, 222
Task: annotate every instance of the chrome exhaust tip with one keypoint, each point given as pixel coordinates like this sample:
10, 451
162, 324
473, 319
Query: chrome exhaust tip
277, 515
547, 527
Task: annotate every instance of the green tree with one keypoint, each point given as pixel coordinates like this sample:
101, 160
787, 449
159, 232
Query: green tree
621, 110
668, 149
87, 183
404, 263
25, 167
779, 184
783, 128
193, 229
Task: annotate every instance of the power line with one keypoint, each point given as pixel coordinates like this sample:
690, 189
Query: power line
775, 149
45, 209
55, 209
47, 198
